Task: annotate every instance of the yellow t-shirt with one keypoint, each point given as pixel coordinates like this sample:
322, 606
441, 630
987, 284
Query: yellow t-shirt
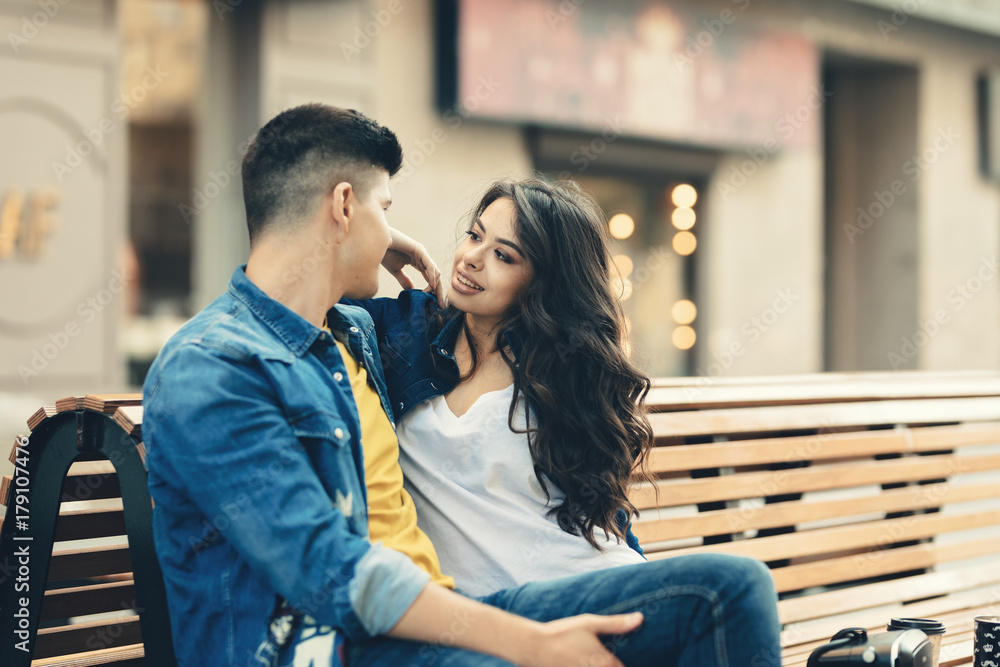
392, 516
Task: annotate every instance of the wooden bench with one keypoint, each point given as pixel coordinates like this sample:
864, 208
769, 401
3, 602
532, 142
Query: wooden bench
78, 503
869, 495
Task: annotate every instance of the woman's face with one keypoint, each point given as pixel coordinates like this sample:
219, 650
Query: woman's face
490, 272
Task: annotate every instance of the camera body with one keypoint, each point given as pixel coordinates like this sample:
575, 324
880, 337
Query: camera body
853, 646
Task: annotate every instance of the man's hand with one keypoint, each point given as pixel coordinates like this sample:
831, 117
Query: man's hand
574, 641
404, 251
567, 642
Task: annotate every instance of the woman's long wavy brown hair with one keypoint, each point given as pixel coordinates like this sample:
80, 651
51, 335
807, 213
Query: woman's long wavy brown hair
591, 436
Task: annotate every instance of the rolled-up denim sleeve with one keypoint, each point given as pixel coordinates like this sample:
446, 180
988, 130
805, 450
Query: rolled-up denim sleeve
219, 432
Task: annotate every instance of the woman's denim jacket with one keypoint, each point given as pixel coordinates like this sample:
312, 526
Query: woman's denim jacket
402, 326
256, 471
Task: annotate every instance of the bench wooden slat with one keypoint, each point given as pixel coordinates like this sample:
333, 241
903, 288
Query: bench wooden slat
829, 417
81, 524
131, 655
689, 395
109, 403
129, 417
815, 478
885, 592
66, 639
85, 600
737, 520
819, 447
888, 561
70, 403
89, 562
40, 415
873, 534
86, 480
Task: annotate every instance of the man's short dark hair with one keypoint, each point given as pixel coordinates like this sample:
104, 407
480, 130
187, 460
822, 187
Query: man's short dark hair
303, 153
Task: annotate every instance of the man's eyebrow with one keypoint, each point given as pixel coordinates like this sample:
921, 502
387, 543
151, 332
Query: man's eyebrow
506, 242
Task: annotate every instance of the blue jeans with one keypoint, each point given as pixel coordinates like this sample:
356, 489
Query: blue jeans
706, 610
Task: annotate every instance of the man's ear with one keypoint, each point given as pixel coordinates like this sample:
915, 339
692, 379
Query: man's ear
342, 202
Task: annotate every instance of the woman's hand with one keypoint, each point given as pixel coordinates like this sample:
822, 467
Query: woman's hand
574, 641
404, 251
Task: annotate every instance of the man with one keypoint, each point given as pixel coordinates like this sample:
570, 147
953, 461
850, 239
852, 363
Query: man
280, 519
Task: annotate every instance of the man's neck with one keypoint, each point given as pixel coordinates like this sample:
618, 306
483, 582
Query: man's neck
291, 274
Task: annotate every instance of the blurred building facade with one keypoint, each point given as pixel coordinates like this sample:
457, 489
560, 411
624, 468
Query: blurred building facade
794, 186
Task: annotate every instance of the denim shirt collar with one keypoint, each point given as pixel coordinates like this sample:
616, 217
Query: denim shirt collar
293, 329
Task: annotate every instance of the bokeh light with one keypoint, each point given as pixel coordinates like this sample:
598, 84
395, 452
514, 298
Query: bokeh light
684, 196
683, 218
684, 338
621, 225
684, 311
684, 243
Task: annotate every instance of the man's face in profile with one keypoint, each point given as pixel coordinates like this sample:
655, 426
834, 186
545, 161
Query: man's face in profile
369, 234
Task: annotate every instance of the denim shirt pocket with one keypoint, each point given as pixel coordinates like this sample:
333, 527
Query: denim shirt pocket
327, 441
320, 425
394, 361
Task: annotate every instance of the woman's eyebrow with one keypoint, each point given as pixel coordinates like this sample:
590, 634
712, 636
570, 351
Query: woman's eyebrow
506, 242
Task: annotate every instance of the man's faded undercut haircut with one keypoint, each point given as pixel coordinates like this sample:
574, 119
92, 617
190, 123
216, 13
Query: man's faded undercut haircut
301, 154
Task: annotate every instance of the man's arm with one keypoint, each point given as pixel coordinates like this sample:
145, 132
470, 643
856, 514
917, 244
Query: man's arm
569, 641
220, 434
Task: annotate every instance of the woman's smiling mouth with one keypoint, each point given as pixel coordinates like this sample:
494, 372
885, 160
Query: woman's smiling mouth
467, 282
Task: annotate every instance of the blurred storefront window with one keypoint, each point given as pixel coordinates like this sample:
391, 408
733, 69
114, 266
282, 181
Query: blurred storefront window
654, 227
163, 47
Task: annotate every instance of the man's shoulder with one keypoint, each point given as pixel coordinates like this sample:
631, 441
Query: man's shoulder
226, 330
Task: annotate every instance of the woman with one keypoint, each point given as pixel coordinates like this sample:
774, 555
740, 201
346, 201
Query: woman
520, 425
520, 452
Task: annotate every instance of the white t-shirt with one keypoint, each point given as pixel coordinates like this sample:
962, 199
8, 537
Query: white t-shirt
477, 498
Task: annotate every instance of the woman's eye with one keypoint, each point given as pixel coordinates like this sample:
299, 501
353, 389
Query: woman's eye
473, 235
502, 257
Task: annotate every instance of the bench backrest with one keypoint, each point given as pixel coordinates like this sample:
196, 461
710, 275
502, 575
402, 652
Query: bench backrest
869, 495
78, 503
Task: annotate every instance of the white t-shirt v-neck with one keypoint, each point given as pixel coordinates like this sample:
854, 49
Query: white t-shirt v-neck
477, 498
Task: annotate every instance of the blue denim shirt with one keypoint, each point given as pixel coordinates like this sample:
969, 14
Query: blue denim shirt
256, 471
402, 327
